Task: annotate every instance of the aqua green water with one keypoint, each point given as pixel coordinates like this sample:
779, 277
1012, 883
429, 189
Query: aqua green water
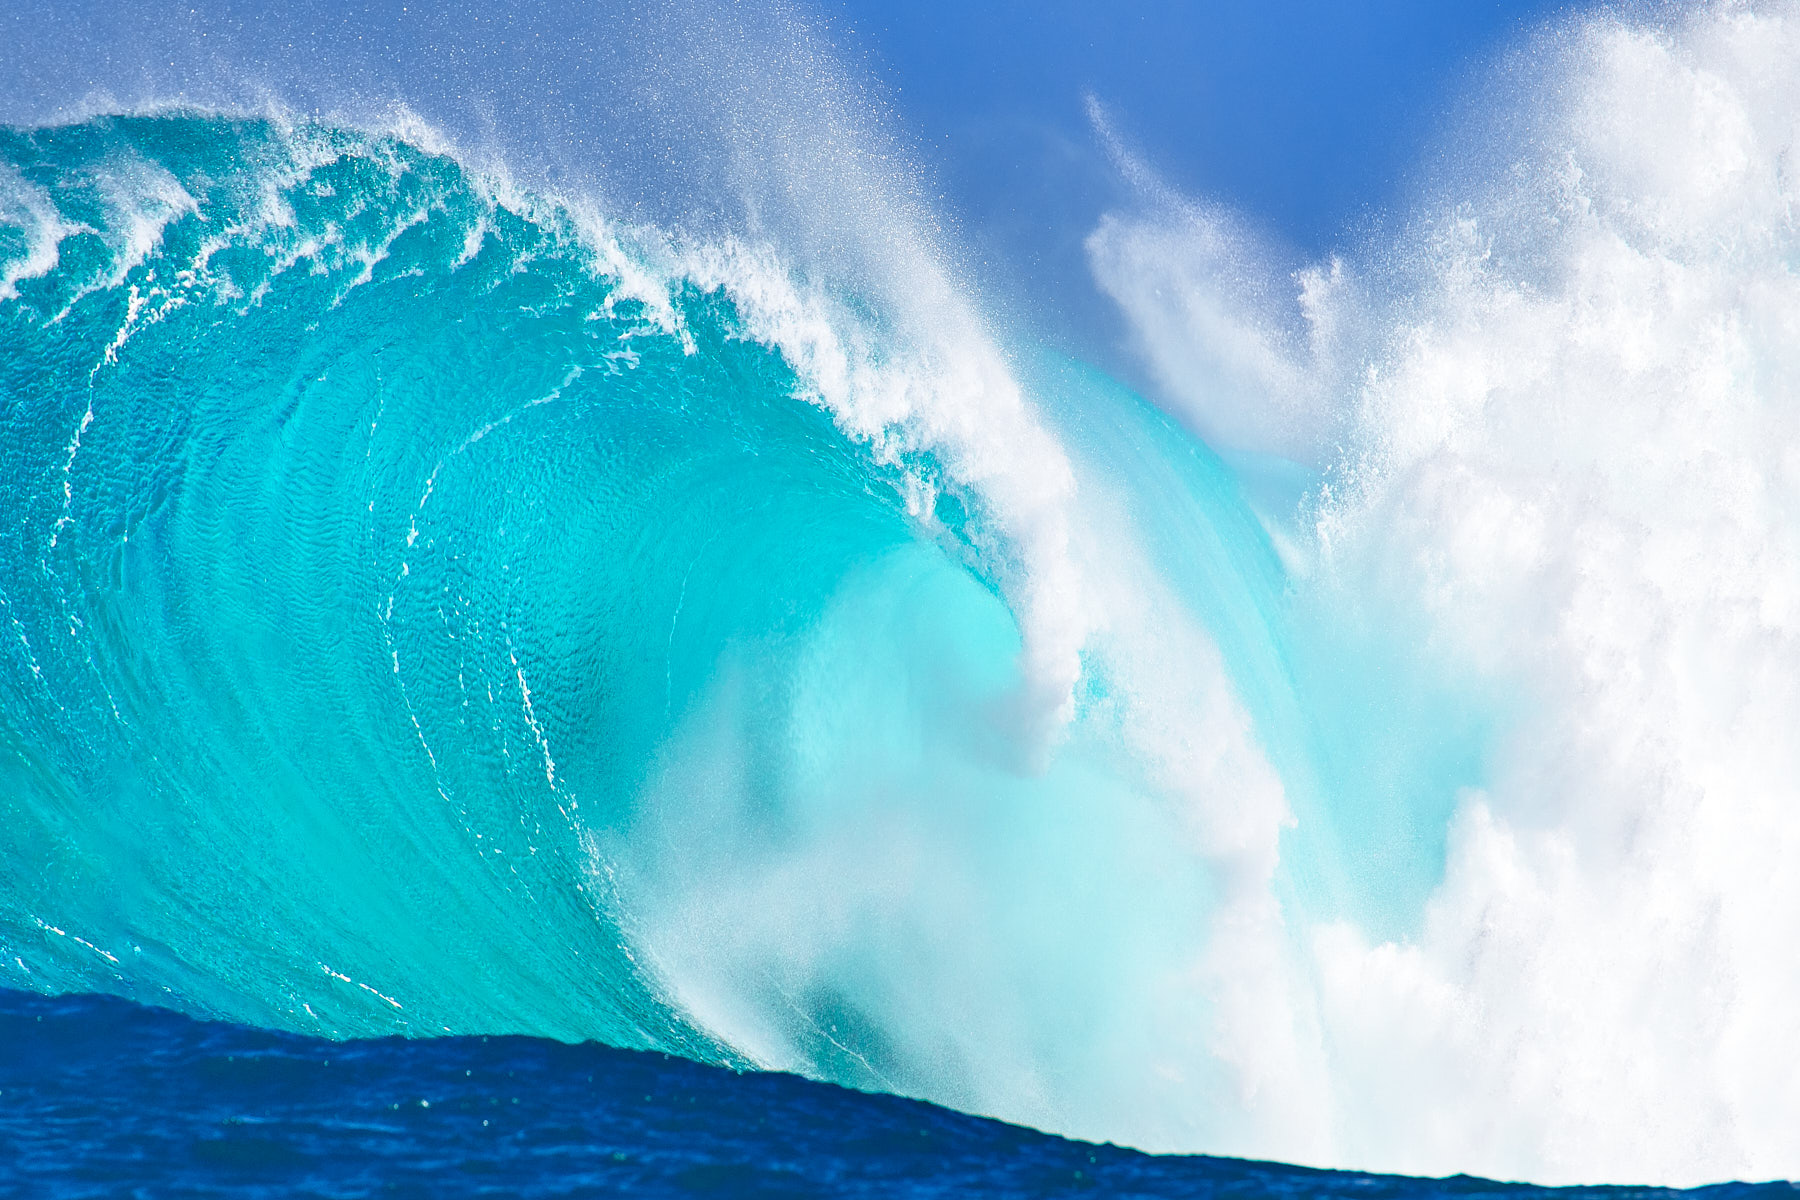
429, 611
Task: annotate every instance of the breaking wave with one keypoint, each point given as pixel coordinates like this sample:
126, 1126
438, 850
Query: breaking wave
437, 604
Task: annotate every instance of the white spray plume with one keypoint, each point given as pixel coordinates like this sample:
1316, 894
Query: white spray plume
1573, 468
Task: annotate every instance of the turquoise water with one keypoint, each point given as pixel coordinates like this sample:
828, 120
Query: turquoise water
418, 623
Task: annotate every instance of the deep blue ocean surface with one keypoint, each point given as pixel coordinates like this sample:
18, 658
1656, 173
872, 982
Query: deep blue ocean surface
101, 1097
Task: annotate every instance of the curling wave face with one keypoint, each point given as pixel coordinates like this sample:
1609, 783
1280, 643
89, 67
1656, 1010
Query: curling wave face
434, 610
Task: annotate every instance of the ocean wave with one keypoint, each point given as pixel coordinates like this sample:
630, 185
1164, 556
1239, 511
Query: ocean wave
438, 602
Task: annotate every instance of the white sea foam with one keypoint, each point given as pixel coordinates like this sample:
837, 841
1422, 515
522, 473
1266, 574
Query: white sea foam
26, 207
1573, 469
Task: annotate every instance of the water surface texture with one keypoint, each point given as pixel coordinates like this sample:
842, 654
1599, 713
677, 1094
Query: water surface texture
103, 1096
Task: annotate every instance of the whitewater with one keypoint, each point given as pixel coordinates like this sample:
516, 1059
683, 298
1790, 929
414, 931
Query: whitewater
685, 608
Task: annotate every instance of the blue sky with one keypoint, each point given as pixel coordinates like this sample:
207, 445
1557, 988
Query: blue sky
1306, 116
